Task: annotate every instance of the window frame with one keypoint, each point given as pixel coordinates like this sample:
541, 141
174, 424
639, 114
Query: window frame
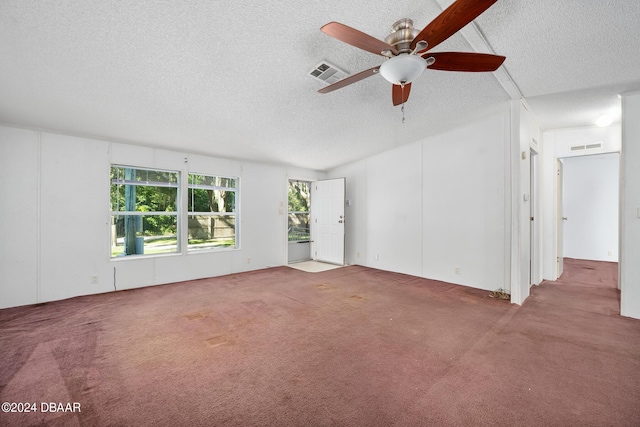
159, 184
235, 213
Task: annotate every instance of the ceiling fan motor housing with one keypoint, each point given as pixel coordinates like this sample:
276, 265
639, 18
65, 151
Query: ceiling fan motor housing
402, 34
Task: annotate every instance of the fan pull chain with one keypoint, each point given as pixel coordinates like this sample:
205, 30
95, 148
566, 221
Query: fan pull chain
402, 109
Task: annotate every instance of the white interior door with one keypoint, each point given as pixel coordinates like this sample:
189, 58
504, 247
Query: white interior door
329, 220
559, 221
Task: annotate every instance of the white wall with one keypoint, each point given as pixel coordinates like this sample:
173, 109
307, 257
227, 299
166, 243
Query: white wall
426, 208
564, 139
20, 216
56, 222
591, 188
630, 207
394, 210
465, 197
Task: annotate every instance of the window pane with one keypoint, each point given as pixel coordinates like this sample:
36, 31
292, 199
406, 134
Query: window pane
227, 182
215, 198
299, 227
133, 198
158, 192
299, 206
156, 199
212, 231
201, 200
143, 234
211, 181
121, 173
299, 196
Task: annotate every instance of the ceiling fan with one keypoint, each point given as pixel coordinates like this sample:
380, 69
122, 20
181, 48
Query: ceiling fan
406, 49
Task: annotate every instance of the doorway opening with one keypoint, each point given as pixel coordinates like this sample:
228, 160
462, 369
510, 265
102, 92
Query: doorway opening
590, 207
299, 221
588, 218
315, 221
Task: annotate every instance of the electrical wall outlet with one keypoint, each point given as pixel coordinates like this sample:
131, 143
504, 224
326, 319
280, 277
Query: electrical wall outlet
94, 279
249, 260
456, 270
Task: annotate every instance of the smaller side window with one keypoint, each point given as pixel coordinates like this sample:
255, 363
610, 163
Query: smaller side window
212, 212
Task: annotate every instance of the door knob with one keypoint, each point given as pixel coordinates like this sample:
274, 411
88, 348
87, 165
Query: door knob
564, 218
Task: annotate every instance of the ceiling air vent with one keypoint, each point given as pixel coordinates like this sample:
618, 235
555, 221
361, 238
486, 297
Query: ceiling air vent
327, 73
586, 147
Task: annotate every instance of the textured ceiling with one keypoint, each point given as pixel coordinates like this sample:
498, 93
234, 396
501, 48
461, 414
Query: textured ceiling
230, 78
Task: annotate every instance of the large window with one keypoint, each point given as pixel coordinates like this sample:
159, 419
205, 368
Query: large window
144, 213
299, 209
212, 212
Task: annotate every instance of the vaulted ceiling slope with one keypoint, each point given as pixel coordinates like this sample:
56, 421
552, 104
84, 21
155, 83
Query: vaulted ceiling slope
230, 79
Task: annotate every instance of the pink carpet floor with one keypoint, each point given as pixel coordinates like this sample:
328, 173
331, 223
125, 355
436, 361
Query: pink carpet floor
348, 347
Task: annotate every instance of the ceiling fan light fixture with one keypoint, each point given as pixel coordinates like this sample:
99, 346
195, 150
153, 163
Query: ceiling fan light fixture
403, 69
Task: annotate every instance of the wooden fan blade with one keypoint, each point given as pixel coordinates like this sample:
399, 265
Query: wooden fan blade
357, 38
461, 61
351, 79
451, 20
400, 94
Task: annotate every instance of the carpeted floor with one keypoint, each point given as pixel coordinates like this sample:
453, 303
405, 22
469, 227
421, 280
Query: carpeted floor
347, 347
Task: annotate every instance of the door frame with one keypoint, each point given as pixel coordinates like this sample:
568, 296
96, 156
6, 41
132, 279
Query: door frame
534, 229
319, 212
560, 193
559, 218
286, 212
